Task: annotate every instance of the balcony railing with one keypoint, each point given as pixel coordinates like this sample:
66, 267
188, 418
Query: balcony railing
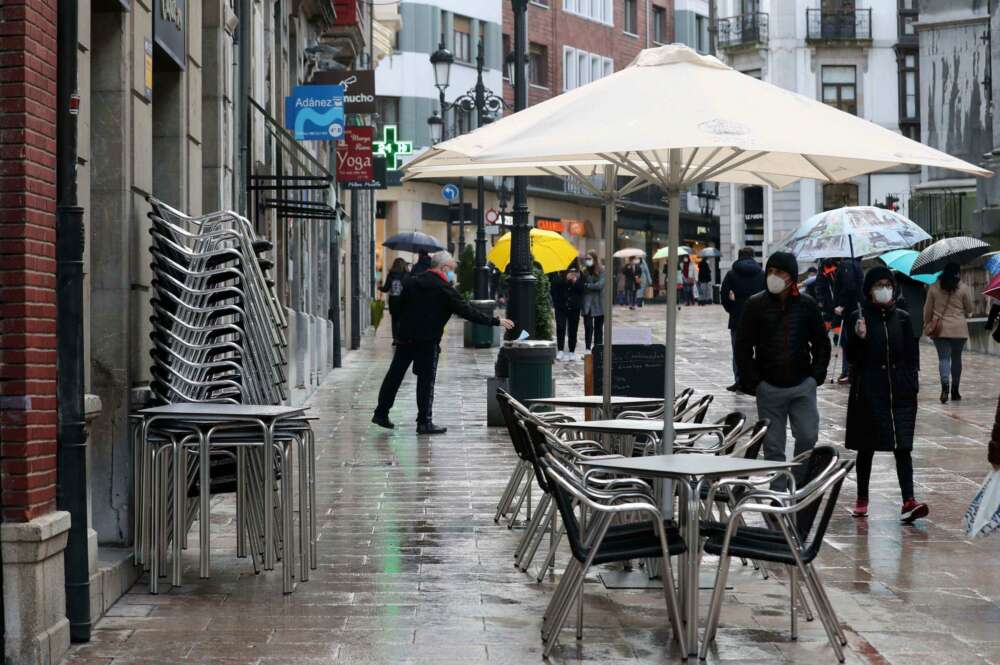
743, 30
838, 26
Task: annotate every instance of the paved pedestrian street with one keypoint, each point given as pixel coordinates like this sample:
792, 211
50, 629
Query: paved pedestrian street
412, 568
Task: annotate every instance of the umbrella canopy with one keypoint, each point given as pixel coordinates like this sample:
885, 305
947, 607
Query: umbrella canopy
723, 126
664, 252
852, 231
992, 263
961, 249
413, 241
629, 253
550, 249
710, 253
993, 289
901, 260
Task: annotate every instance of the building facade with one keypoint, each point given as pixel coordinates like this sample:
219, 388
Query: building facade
183, 101
857, 55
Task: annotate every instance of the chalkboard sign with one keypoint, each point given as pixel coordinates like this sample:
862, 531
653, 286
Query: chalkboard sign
636, 370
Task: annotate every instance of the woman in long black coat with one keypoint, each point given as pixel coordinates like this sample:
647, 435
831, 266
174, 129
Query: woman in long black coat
882, 407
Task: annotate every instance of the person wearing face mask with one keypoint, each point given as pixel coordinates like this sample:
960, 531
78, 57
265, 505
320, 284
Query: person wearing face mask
593, 300
428, 301
632, 274
782, 353
882, 406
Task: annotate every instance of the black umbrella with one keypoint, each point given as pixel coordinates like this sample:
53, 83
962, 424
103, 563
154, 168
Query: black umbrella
949, 250
413, 241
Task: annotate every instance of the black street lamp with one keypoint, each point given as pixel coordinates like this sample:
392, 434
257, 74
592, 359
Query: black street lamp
521, 306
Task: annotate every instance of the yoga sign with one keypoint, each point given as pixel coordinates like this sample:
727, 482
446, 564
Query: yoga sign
316, 112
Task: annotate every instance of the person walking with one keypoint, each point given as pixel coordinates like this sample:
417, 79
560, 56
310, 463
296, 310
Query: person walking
690, 278
704, 283
743, 280
593, 300
949, 302
783, 351
882, 406
631, 276
393, 285
428, 301
645, 280
422, 265
566, 289
847, 288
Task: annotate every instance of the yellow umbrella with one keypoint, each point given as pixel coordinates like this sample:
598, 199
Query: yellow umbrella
550, 249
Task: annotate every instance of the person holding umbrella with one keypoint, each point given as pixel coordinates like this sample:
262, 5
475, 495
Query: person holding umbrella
949, 303
704, 282
632, 275
882, 406
428, 301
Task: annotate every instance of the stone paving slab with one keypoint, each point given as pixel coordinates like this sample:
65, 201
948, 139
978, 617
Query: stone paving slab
412, 569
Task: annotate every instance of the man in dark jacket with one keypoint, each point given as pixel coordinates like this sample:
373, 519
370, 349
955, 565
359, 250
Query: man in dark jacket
428, 301
423, 264
782, 351
847, 287
743, 280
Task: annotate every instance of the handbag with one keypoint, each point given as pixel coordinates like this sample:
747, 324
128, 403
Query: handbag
933, 327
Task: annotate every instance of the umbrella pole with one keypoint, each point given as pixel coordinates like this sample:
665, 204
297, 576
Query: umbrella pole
673, 240
610, 219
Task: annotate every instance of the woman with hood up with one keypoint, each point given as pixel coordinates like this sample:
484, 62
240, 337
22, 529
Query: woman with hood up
882, 407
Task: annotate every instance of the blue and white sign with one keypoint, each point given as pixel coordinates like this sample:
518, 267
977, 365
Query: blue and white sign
316, 112
449, 192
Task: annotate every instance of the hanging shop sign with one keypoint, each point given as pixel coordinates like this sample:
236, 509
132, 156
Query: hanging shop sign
148, 48
169, 17
315, 112
392, 148
377, 181
354, 155
359, 88
549, 224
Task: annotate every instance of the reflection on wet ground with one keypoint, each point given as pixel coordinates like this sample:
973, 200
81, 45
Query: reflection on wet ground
413, 570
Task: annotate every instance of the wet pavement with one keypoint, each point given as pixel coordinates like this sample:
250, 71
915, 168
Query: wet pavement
412, 568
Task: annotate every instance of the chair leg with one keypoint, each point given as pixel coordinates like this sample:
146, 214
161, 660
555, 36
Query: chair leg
827, 605
503, 506
547, 516
520, 502
715, 605
828, 621
670, 594
550, 558
529, 534
792, 587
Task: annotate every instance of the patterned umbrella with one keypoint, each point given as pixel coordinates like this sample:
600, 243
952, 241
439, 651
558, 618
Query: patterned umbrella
992, 263
850, 232
961, 249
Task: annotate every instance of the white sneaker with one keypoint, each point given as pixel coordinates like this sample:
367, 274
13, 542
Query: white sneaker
573, 357
561, 356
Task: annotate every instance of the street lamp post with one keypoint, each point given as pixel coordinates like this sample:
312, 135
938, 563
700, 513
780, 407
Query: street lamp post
441, 60
487, 105
521, 307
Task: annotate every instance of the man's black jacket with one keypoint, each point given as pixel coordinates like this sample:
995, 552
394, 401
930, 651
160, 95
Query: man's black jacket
742, 281
428, 301
847, 285
781, 342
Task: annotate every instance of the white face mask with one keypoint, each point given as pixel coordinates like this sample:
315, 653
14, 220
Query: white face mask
882, 295
588, 262
775, 284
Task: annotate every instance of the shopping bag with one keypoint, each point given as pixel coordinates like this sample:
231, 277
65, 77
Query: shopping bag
983, 516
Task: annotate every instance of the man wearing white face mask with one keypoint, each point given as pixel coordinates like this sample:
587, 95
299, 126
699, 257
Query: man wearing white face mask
782, 352
882, 407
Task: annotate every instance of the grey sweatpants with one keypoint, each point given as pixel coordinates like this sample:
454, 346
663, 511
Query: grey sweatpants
795, 406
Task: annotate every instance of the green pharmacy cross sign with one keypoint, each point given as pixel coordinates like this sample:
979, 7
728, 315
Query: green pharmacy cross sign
391, 149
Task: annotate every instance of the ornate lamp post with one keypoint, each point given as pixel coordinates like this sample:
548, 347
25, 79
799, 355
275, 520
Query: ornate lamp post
521, 307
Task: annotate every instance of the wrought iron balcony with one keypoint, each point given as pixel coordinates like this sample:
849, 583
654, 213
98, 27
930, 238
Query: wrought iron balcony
848, 25
743, 30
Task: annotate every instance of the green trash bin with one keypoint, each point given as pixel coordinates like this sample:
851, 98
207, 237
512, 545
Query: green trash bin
482, 336
529, 368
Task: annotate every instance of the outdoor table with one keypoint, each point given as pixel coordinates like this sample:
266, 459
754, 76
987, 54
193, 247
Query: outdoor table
208, 416
692, 471
618, 402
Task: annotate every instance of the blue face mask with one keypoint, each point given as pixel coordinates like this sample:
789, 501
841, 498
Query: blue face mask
451, 276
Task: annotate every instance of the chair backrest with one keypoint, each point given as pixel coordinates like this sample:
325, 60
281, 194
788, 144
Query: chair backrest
518, 437
695, 412
732, 425
537, 443
753, 446
820, 464
560, 489
814, 540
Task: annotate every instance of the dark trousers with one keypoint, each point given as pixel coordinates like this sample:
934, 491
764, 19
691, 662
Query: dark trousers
949, 352
736, 369
423, 357
904, 472
567, 325
395, 314
593, 330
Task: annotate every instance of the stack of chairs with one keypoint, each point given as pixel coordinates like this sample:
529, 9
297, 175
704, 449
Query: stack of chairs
218, 336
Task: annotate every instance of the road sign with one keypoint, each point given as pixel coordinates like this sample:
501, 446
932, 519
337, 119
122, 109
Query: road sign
492, 230
449, 192
492, 216
315, 112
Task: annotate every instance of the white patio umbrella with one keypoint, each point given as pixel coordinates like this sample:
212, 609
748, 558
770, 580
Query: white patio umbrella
674, 118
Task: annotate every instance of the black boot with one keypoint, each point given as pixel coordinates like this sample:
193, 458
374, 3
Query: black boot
944, 392
383, 421
430, 428
955, 396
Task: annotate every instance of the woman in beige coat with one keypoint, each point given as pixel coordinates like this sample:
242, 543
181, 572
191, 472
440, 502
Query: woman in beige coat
950, 302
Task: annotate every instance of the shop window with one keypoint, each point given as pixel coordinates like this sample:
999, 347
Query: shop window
838, 195
840, 87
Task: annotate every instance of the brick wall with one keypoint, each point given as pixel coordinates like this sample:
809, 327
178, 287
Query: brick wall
555, 28
27, 257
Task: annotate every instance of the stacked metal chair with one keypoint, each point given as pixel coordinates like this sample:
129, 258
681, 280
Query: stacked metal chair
218, 337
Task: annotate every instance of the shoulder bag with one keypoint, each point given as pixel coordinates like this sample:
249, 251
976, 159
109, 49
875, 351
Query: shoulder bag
933, 327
